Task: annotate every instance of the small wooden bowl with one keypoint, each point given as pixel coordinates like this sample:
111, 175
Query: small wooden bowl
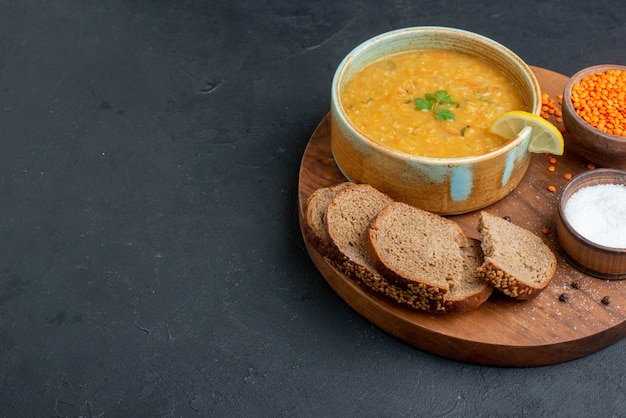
602, 148
594, 259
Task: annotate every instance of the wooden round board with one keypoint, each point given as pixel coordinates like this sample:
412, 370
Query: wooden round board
502, 331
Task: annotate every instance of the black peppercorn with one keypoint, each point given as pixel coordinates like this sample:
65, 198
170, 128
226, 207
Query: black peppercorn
564, 297
606, 300
576, 284
507, 218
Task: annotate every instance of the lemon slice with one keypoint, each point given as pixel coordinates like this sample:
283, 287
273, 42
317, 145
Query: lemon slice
545, 137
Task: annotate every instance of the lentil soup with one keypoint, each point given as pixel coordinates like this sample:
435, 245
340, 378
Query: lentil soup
381, 102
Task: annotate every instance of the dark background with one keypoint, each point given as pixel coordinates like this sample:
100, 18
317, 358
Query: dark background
151, 262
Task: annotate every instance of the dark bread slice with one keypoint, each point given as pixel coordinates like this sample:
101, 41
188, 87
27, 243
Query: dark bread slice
315, 226
347, 217
354, 263
517, 262
429, 255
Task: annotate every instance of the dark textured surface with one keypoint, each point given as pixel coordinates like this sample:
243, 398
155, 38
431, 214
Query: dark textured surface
151, 262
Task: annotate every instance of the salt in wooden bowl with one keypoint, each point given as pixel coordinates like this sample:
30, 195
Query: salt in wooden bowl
582, 250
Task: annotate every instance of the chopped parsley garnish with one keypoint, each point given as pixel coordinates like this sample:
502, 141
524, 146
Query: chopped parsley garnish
434, 102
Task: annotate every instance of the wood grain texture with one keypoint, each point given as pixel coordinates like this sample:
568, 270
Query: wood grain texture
502, 331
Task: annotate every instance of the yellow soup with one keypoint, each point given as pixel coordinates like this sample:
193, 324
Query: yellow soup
388, 101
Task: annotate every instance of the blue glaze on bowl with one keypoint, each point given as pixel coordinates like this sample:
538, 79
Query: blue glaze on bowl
514, 157
461, 183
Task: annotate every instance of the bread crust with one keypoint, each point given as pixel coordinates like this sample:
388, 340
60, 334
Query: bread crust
508, 283
375, 283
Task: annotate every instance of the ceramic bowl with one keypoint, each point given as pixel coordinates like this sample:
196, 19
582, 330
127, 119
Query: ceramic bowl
586, 255
441, 185
604, 149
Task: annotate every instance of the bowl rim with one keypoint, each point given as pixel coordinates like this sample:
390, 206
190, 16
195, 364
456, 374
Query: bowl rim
578, 182
416, 30
567, 93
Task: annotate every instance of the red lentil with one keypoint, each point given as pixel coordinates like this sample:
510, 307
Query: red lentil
600, 99
552, 189
552, 160
549, 107
567, 176
551, 168
591, 166
545, 231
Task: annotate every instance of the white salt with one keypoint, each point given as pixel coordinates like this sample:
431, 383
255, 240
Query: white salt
598, 213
